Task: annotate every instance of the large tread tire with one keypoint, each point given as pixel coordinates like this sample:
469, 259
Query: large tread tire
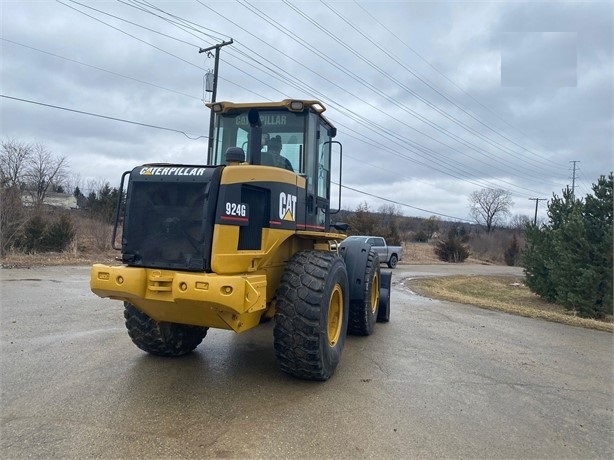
392, 262
161, 338
363, 313
311, 315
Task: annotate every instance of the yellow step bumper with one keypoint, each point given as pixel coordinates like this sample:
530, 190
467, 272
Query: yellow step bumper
201, 299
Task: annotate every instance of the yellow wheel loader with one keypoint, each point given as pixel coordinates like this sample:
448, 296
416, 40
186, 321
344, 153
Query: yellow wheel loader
245, 239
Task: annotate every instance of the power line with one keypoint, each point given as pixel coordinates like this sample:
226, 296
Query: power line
420, 147
99, 68
134, 24
405, 87
400, 203
344, 107
174, 130
130, 35
361, 80
405, 140
453, 83
351, 74
177, 21
102, 116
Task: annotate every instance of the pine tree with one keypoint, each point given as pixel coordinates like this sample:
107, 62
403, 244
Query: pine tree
569, 260
537, 259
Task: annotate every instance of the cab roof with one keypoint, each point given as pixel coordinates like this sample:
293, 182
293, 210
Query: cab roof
226, 106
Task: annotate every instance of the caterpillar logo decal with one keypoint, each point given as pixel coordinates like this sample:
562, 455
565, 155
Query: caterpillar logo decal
287, 206
171, 171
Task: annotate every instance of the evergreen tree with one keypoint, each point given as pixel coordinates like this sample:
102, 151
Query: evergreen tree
569, 260
453, 249
537, 259
33, 234
58, 235
102, 205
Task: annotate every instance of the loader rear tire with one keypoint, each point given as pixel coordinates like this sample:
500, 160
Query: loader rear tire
364, 312
311, 315
160, 338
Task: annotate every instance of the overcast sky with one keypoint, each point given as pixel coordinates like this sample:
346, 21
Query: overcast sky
432, 100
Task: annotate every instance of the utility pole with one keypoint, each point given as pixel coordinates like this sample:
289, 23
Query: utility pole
573, 177
537, 200
214, 92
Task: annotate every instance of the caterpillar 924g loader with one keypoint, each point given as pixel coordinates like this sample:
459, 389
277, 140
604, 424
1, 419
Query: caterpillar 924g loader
245, 239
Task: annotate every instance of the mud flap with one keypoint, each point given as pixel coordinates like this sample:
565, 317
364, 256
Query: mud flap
385, 284
355, 254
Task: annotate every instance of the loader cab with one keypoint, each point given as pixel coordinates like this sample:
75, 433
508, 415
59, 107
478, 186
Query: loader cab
249, 132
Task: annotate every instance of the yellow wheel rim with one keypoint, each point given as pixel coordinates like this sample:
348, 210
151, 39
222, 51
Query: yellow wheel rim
375, 293
335, 315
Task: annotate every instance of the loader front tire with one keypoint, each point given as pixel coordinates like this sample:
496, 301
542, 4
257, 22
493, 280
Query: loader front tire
160, 338
311, 315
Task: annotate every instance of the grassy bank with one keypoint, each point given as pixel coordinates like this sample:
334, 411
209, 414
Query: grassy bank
503, 293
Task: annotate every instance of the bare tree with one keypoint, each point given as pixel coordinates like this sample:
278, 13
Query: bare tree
388, 225
12, 217
489, 207
44, 170
29, 167
430, 226
14, 159
73, 181
519, 222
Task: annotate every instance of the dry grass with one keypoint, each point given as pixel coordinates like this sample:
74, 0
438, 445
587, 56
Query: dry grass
424, 254
419, 253
92, 245
501, 293
50, 259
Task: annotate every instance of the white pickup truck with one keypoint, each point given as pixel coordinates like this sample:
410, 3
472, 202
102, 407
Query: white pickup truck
387, 254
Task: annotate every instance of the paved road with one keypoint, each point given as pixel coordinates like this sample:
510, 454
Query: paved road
439, 380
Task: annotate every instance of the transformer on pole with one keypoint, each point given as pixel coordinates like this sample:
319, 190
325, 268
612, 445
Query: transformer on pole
213, 88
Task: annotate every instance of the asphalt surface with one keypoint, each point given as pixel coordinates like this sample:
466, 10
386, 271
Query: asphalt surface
439, 380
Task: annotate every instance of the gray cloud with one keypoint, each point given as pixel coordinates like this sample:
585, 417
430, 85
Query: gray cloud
428, 153
539, 59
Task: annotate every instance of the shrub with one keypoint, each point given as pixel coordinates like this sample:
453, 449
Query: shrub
453, 249
40, 236
32, 236
58, 235
421, 237
512, 252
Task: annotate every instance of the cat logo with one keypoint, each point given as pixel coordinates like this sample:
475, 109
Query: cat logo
287, 206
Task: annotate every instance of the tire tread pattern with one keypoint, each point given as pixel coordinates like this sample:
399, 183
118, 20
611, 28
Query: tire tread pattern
160, 338
362, 318
298, 332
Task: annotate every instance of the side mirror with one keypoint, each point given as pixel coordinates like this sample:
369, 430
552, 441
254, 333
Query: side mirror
253, 116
